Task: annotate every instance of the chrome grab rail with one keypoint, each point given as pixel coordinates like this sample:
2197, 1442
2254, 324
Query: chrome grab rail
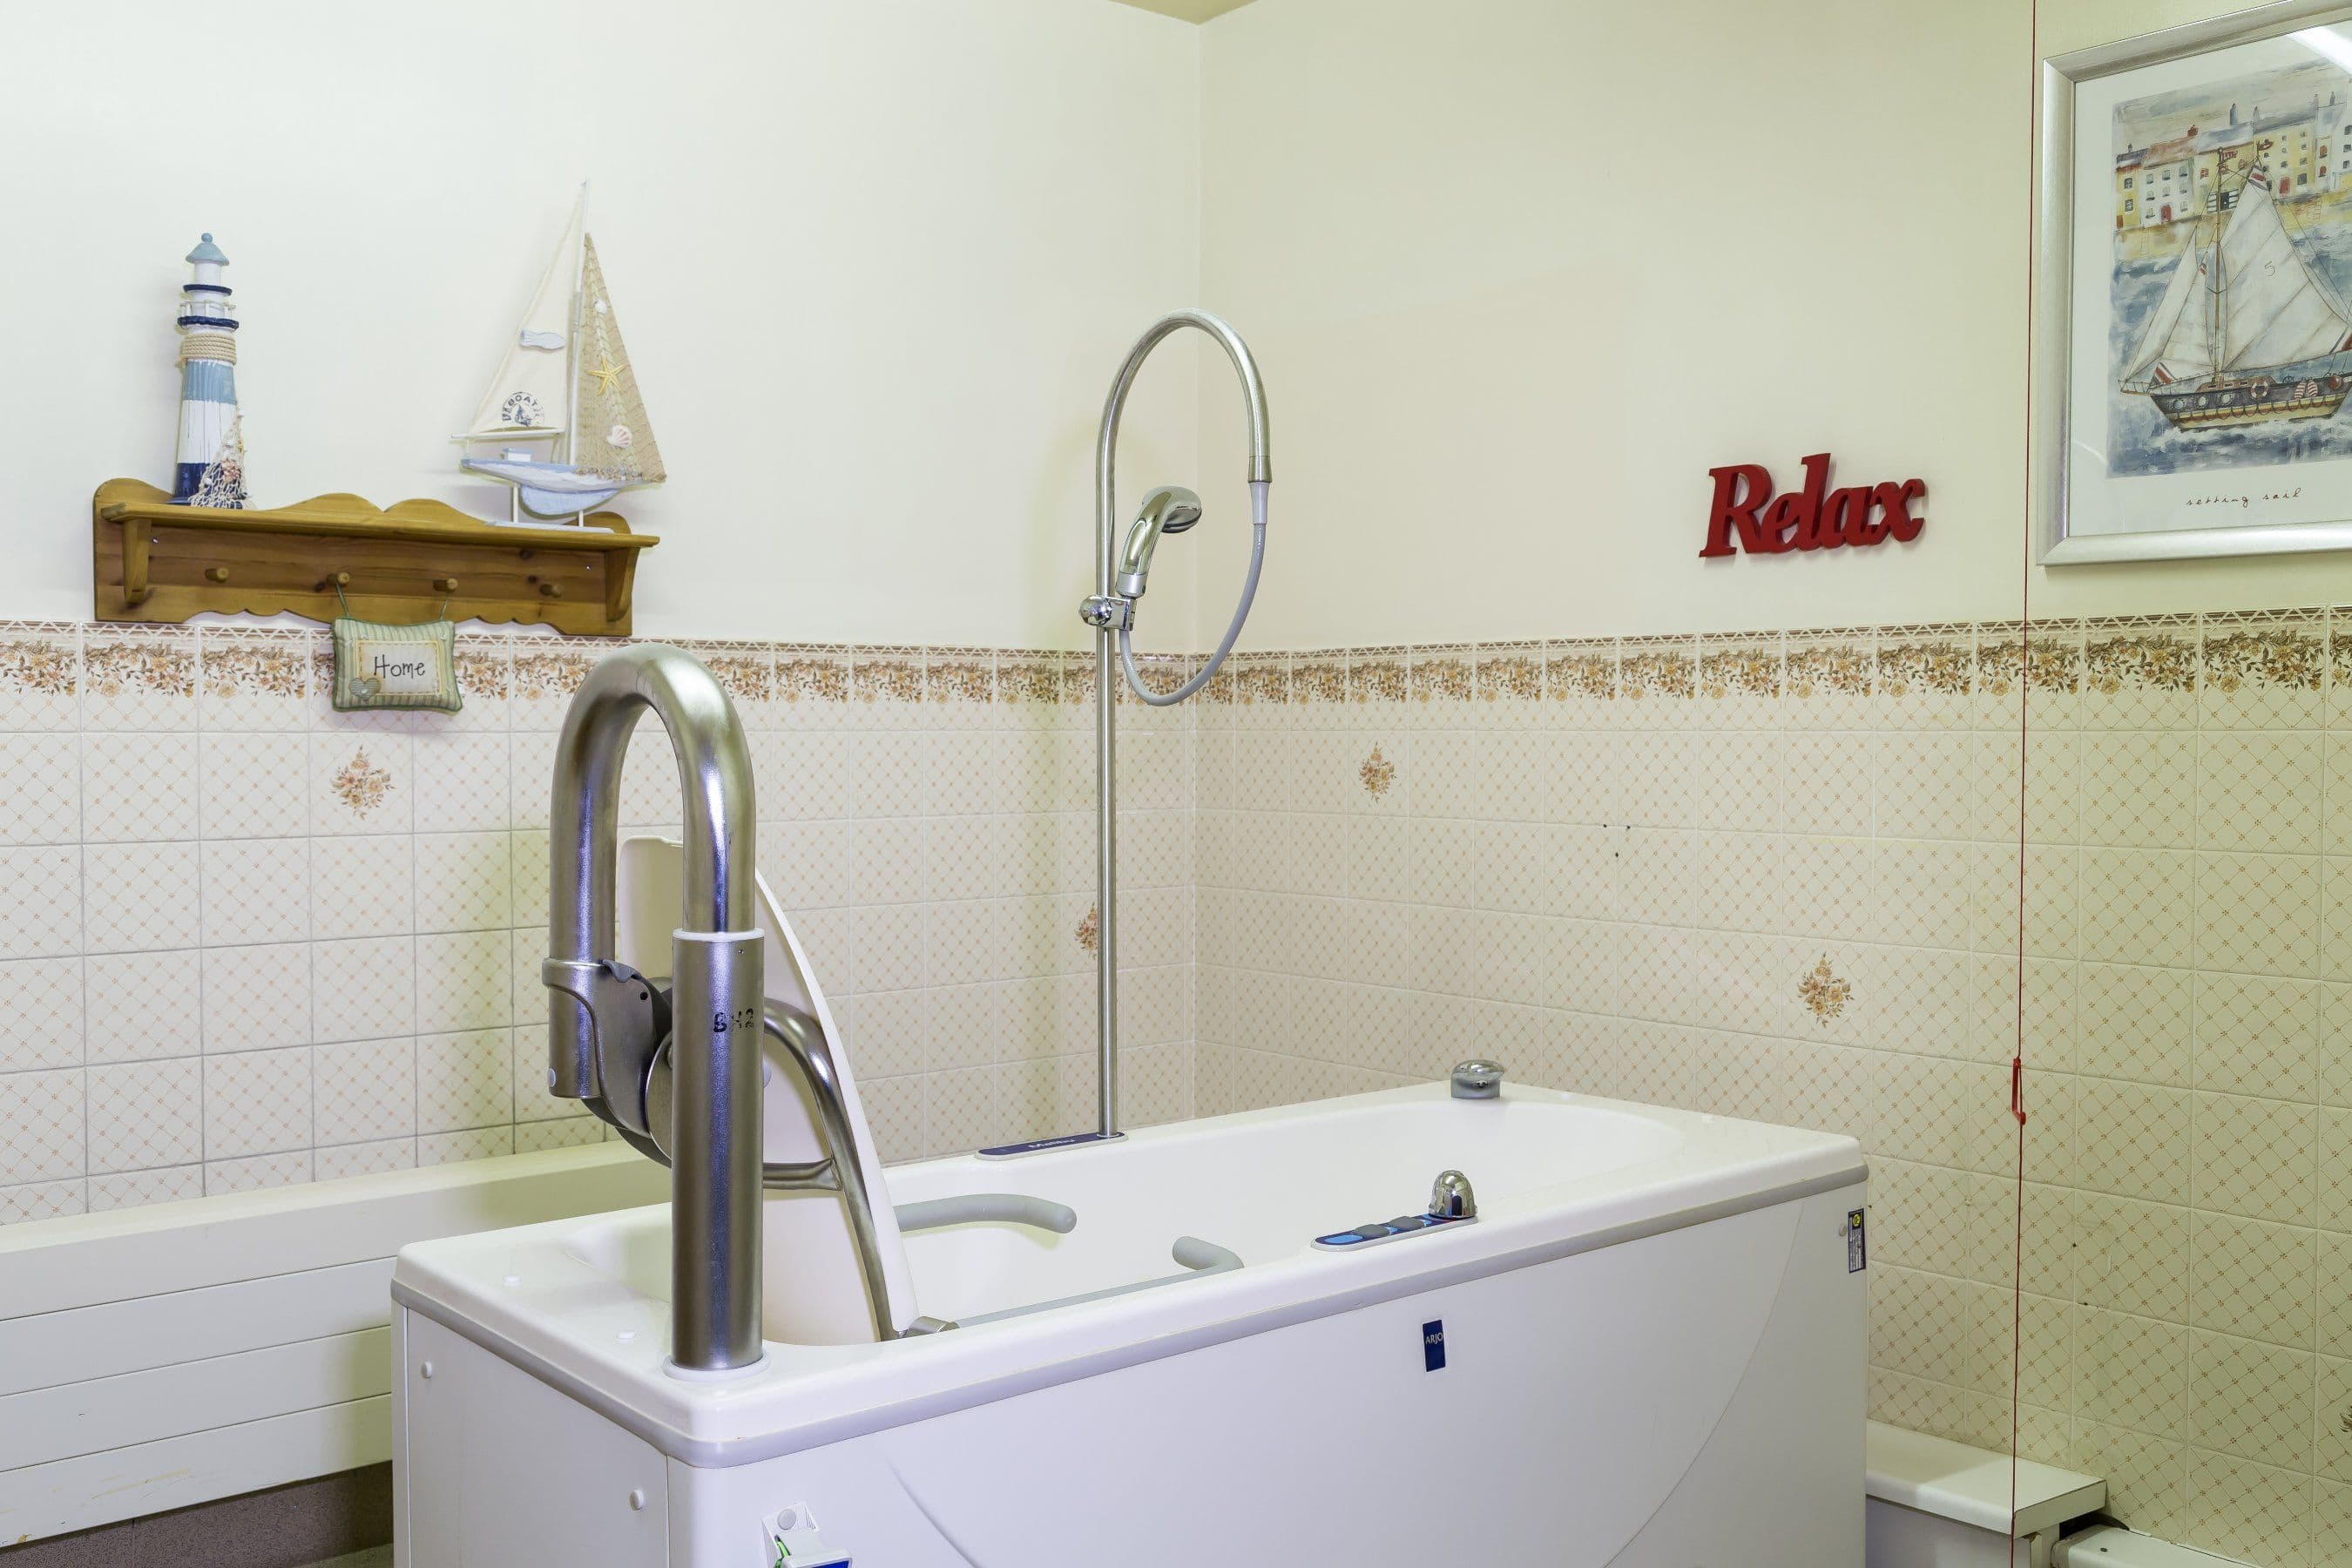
603, 1018
839, 1171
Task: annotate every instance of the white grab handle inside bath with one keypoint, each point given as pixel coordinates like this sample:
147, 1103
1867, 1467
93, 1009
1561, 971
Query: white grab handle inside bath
1199, 1259
980, 1208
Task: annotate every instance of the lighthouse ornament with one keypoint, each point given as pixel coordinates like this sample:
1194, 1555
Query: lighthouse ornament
210, 470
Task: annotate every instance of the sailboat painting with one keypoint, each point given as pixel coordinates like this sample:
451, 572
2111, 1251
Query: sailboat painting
565, 381
2229, 335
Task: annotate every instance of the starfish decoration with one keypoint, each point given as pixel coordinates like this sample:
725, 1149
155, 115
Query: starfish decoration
607, 373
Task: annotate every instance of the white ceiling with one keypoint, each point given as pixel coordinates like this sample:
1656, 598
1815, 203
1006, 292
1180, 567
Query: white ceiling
1190, 10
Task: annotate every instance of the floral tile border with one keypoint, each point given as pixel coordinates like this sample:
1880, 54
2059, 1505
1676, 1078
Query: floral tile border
139, 660
1582, 670
1443, 672
1934, 660
886, 673
2293, 653
485, 666
1379, 675
1510, 672
1740, 665
2276, 649
1162, 673
40, 660
811, 673
1319, 677
959, 675
1260, 679
259, 663
1649, 668
2137, 656
1078, 681
550, 674
745, 669
2000, 658
1840, 663
1029, 678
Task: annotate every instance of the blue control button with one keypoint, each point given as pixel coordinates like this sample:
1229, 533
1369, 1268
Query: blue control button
1342, 1238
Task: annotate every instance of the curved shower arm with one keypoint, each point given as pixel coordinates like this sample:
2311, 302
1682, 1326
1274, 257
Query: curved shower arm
1261, 461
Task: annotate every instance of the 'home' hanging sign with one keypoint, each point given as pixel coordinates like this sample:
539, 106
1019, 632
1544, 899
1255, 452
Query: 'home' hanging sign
379, 666
1746, 514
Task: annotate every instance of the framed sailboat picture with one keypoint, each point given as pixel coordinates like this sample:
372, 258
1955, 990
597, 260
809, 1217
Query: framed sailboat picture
2192, 300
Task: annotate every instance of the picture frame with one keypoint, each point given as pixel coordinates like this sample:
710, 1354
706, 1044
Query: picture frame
2162, 403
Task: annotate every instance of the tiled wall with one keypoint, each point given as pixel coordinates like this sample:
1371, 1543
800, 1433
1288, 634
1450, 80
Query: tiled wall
1778, 878
247, 940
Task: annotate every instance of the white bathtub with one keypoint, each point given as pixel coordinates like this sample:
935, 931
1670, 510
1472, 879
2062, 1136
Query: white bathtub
1652, 1348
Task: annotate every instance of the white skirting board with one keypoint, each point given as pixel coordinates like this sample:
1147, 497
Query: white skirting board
157, 1357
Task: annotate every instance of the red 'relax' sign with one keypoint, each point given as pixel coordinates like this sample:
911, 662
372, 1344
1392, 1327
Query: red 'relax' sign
1747, 516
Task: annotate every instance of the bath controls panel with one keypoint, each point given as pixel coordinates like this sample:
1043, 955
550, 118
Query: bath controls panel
1387, 1230
794, 1541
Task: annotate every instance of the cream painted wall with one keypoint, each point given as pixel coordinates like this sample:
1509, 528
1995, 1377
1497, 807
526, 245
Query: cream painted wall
1519, 273
878, 260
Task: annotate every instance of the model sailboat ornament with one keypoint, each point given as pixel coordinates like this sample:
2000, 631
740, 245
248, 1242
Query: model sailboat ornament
566, 381
2248, 330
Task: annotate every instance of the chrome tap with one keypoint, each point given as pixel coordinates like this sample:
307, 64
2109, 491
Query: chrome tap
1450, 1198
606, 1022
1477, 1079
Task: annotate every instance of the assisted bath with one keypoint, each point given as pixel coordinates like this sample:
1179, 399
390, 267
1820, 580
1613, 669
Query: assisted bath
1647, 1349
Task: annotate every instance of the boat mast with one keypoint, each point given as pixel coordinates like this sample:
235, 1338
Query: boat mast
2214, 284
572, 344
571, 339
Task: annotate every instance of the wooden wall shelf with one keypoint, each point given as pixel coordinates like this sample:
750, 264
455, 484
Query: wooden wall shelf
157, 563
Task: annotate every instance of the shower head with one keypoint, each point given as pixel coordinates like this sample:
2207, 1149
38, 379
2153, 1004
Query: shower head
1183, 508
1170, 509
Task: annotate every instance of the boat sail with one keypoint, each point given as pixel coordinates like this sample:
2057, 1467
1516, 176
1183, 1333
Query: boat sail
2247, 329
566, 379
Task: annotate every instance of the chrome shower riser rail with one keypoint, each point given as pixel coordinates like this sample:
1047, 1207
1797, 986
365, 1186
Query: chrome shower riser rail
1107, 661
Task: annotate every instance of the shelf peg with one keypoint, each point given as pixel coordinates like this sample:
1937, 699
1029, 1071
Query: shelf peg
551, 590
216, 574
444, 584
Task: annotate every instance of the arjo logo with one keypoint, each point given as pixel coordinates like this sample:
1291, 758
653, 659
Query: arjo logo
1432, 1345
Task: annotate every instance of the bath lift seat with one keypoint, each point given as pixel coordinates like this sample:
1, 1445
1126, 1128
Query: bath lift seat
833, 1262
